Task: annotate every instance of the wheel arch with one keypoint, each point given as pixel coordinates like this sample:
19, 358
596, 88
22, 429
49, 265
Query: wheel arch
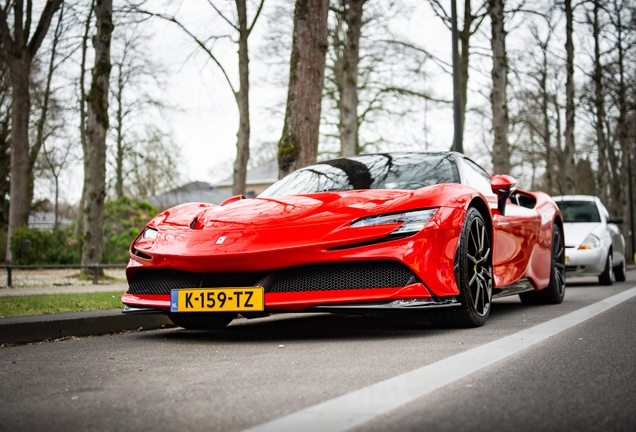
484, 210
559, 222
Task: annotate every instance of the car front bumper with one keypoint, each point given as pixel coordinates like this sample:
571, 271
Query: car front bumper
585, 262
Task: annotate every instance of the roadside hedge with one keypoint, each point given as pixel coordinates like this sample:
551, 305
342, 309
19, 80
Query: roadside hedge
123, 220
46, 247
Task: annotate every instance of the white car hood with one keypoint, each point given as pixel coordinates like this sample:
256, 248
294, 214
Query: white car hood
576, 232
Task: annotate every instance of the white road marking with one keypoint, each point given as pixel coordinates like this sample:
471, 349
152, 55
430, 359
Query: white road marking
358, 407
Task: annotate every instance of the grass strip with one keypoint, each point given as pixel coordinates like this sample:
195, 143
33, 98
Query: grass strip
58, 303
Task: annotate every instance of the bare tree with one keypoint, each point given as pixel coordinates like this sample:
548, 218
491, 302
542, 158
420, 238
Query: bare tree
602, 173
54, 161
346, 41
241, 94
46, 99
500, 151
5, 144
133, 95
298, 146
569, 164
617, 16
96, 128
18, 51
79, 226
472, 20
153, 163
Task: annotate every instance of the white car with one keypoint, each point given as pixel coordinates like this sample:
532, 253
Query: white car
594, 245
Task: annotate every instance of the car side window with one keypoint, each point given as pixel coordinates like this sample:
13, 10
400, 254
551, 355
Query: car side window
476, 177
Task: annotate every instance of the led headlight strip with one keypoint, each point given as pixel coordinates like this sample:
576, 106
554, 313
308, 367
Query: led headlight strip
412, 222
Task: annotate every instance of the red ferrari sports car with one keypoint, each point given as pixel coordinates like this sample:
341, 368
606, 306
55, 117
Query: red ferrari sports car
413, 231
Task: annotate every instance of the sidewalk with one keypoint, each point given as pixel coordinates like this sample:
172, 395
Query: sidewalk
71, 289
36, 328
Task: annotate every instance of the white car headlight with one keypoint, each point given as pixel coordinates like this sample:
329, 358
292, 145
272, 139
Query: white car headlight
149, 233
590, 242
412, 222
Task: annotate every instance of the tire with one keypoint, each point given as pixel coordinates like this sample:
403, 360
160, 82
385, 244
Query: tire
555, 291
206, 321
620, 274
607, 277
473, 271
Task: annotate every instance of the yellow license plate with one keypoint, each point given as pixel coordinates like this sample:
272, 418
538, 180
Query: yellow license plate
240, 299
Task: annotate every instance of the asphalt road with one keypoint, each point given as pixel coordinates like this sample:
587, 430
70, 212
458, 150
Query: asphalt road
263, 370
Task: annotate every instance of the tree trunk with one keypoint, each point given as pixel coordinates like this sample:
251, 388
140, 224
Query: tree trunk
545, 108
17, 52
79, 225
569, 165
347, 79
500, 150
243, 102
298, 147
599, 103
464, 52
20, 205
39, 138
547, 138
560, 186
97, 126
621, 127
119, 156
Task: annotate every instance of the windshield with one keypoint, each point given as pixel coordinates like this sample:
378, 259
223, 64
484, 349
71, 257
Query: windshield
579, 211
377, 171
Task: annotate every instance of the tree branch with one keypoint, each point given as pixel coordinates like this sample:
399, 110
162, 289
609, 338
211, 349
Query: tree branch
43, 25
223, 16
172, 19
7, 48
258, 12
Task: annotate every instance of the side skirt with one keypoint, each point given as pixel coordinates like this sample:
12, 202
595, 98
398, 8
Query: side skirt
396, 305
522, 285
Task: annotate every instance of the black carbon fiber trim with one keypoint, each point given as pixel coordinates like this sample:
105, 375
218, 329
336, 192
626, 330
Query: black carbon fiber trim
342, 276
316, 277
162, 281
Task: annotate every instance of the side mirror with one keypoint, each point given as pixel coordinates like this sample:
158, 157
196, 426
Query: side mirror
617, 220
503, 186
230, 200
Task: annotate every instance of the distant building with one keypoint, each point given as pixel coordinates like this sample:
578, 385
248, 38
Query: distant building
258, 179
46, 221
192, 192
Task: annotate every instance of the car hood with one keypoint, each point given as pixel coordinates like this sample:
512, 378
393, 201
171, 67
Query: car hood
283, 223
301, 210
576, 232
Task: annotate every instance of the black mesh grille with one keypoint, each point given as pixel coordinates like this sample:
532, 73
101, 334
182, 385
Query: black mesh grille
162, 281
342, 276
317, 277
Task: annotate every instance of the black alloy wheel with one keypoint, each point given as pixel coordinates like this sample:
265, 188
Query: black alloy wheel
473, 271
607, 277
620, 272
554, 293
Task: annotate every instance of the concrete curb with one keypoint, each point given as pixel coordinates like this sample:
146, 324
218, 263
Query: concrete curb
37, 328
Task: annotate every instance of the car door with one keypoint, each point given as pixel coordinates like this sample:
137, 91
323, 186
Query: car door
618, 242
516, 234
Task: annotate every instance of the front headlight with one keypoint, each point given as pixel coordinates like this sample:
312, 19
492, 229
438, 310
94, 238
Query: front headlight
149, 233
590, 242
412, 222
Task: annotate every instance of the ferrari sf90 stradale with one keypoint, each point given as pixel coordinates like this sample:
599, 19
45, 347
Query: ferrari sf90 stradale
431, 233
